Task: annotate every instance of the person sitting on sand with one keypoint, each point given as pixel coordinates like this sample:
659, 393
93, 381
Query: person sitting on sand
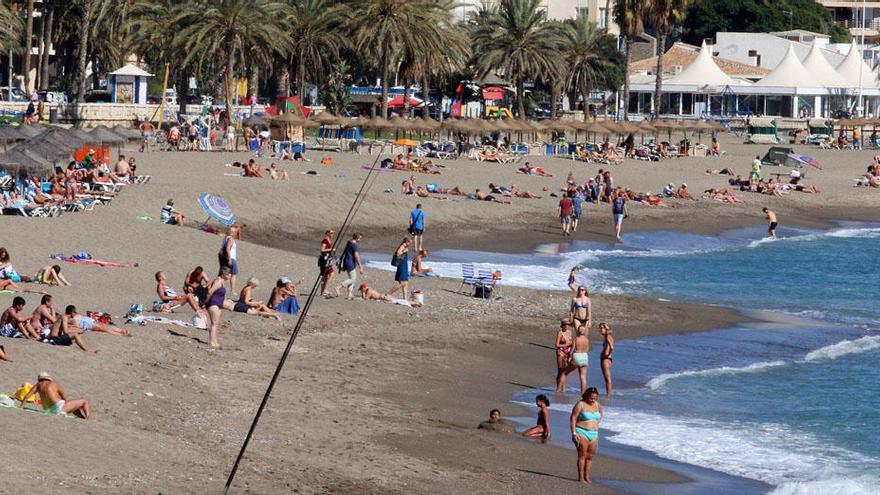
283, 297
277, 173
406, 188
122, 168
51, 275
13, 324
252, 170
683, 193
542, 428
417, 268
715, 149
88, 324
196, 282
668, 190
169, 215
248, 305
368, 294
171, 299
51, 328
53, 399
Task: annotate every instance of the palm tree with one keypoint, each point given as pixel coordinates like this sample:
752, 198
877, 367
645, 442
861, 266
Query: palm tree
83, 50
315, 37
591, 56
109, 24
10, 28
385, 31
629, 16
665, 14
150, 29
28, 41
516, 38
237, 29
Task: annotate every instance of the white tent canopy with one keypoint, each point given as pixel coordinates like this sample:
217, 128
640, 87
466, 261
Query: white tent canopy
790, 73
853, 67
822, 70
703, 71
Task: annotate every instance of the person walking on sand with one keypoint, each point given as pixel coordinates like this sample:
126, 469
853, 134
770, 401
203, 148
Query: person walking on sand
228, 255
771, 220
566, 209
580, 310
605, 358
580, 356
350, 263
542, 428
55, 401
618, 210
564, 341
585, 418
417, 226
325, 263
401, 276
577, 201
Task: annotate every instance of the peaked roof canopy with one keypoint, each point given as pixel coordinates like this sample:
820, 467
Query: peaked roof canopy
821, 70
684, 54
131, 70
703, 71
853, 65
790, 73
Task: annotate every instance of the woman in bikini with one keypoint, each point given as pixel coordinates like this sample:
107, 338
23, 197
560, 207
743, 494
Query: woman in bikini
572, 278
325, 263
89, 324
563, 354
542, 429
580, 355
581, 312
585, 418
605, 358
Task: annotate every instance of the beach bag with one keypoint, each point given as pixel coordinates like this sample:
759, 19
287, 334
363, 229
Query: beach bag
82, 255
23, 390
395, 259
199, 322
223, 258
325, 260
482, 292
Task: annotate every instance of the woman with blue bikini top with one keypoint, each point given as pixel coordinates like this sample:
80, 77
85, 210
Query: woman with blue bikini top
585, 418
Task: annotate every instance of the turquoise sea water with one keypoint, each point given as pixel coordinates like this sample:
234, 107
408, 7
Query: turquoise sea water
795, 405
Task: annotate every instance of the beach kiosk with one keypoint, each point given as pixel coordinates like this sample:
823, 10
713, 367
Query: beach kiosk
762, 130
128, 85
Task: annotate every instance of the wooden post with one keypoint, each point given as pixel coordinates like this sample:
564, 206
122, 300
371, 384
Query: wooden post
162, 103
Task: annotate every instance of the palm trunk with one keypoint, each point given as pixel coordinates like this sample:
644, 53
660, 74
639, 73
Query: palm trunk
406, 89
230, 60
627, 57
658, 77
182, 89
96, 80
554, 97
585, 95
425, 93
520, 94
41, 48
300, 79
253, 82
44, 67
83, 55
28, 42
383, 109
282, 83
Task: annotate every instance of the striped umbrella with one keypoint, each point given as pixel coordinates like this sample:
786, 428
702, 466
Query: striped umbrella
217, 208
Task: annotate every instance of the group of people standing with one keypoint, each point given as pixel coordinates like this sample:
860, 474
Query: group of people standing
600, 188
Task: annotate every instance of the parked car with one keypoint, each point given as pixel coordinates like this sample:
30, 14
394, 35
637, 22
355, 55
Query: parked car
841, 114
17, 94
98, 96
154, 99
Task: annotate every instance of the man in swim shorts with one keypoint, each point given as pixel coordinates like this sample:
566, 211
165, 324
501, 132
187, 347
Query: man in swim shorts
771, 219
55, 401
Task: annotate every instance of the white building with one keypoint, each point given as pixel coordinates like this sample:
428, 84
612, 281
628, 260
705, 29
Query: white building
594, 10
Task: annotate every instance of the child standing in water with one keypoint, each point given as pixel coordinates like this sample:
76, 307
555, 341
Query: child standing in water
542, 429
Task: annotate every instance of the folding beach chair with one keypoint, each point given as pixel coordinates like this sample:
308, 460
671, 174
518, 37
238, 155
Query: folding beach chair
487, 279
467, 276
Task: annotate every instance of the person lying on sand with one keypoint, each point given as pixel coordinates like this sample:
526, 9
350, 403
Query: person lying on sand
277, 173
530, 169
522, 194
88, 324
55, 401
723, 171
455, 191
248, 305
14, 324
502, 190
482, 196
724, 195
171, 299
368, 294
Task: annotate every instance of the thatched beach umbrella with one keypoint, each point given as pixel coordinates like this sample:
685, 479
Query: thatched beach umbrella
25, 163
30, 131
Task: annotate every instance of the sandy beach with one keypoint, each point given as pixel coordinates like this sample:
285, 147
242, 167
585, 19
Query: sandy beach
375, 398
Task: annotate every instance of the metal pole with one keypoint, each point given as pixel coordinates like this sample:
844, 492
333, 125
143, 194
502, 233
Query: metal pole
862, 60
9, 78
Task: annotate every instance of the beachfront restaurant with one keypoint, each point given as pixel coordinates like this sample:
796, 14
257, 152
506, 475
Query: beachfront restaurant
793, 89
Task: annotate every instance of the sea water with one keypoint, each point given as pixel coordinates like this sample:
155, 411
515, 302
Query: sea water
794, 404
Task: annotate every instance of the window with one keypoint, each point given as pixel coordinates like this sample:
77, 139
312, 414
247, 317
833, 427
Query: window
603, 19
582, 12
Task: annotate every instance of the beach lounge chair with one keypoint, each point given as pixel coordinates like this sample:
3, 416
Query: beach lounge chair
467, 276
488, 279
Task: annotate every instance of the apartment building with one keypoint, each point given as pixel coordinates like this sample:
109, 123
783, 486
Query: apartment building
594, 10
850, 13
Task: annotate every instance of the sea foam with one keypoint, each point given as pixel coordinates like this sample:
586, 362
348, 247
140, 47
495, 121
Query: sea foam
659, 380
843, 348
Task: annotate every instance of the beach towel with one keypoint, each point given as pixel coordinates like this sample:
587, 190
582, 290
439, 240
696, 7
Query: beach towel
290, 306
426, 275
83, 261
402, 302
377, 169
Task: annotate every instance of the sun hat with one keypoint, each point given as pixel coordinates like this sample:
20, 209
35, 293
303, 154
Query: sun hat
44, 376
284, 280
253, 280
363, 286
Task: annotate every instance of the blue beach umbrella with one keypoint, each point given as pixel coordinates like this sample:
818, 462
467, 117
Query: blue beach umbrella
216, 208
